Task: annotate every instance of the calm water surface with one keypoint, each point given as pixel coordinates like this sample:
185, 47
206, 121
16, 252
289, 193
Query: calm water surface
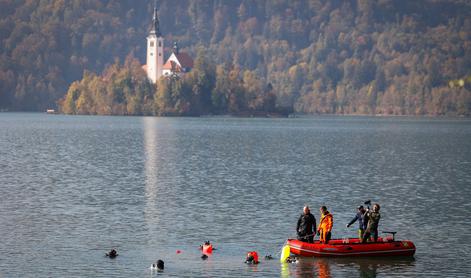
72, 188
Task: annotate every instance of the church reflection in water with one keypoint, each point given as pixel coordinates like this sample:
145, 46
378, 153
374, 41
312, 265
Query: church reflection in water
150, 151
151, 163
159, 172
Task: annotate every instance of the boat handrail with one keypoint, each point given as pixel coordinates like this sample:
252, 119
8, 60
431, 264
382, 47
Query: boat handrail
392, 233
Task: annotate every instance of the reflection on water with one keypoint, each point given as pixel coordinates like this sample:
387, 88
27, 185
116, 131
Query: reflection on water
348, 267
150, 154
323, 269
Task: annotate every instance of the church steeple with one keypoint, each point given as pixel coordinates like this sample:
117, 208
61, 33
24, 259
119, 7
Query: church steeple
175, 48
155, 50
155, 29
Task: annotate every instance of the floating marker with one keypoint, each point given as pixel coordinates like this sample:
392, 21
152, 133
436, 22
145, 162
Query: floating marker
285, 252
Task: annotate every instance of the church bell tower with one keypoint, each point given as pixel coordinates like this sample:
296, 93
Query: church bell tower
155, 50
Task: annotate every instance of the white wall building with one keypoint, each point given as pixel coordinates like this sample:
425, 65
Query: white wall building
178, 63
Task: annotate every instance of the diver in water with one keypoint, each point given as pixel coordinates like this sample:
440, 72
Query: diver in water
112, 254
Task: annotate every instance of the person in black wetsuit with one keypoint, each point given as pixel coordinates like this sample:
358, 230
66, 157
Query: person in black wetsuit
306, 226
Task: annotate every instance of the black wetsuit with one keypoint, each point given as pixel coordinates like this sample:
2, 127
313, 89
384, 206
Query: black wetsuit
306, 227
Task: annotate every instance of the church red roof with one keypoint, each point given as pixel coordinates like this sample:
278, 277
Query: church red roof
168, 65
172, 65
185, 60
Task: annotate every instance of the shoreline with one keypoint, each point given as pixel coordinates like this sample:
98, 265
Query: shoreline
255, 115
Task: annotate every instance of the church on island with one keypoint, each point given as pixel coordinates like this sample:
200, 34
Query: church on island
177, 64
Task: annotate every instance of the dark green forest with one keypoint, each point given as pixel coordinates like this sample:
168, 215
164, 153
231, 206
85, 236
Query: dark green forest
391, 57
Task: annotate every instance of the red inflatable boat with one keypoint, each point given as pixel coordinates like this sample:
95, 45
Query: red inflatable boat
352, 247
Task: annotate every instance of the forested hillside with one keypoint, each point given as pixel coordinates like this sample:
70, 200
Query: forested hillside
319, 56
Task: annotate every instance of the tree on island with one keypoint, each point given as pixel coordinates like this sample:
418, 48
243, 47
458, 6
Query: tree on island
341, 57
207, 89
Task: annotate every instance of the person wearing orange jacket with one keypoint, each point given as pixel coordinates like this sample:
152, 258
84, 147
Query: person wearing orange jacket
325, 225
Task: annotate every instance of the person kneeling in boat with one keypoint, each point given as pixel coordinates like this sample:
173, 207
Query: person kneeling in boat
325, 225
373, 222
362, 221
306, 226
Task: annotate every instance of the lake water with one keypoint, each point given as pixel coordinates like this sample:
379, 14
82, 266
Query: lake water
73, 187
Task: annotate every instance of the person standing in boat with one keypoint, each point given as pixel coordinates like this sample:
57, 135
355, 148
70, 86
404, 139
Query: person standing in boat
362, 221
306, 226
373, 222
325, 225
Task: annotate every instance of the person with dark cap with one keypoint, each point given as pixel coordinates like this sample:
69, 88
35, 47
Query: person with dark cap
306, 226
362, 221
